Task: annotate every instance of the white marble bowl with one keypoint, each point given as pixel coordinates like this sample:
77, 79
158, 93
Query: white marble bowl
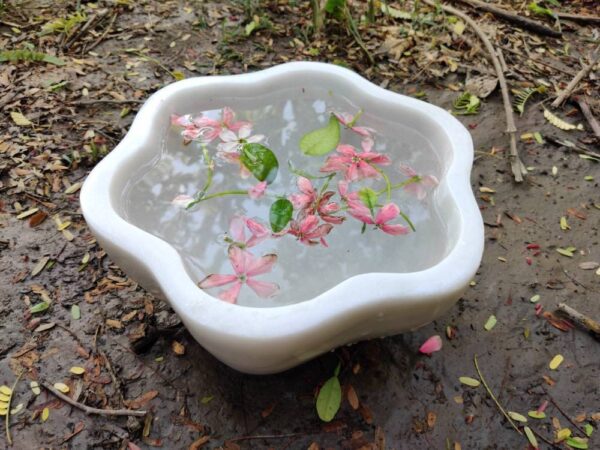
272, 339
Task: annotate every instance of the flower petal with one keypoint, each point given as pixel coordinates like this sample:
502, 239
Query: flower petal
230, 295
182, 201
236, 228
387, 212
215, 279
245, 131
258, 266
433, 344
239, 259
228, 136
305, 186
258, 190
367, 144
395, 229
263, 289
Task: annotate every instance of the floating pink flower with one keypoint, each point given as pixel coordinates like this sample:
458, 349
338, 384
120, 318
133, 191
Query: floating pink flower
306, 197
234, 142
348, 120
228, 120
258, 190
246, 266
433, 344
418, 188
234, 158
237, 232
386, 214
182, 201
200, 128
326, 209
308, 231
355, 165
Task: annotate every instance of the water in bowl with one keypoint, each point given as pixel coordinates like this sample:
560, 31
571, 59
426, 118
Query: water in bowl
302, 272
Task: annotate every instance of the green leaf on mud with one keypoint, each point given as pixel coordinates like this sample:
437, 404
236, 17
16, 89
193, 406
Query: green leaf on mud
260, 161
468, 381
280, 214
577, 442
322, 140
566, 251
531, 437
75, 312
39, 307
490, 323
329, 399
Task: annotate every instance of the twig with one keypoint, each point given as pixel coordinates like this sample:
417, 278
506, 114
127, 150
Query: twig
546, 440
7, 417
578, 17
587, 113
575, 81
581, 319
563, 413
517, 167
571, 146
103, 35
520, 21
491, 394
100, 100
89, 409
263, 436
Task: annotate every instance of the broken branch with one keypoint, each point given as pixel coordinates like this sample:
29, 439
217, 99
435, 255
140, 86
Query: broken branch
580, 319
575, 81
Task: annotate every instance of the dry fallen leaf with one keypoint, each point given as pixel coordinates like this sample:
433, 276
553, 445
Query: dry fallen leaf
20, 119
178, 348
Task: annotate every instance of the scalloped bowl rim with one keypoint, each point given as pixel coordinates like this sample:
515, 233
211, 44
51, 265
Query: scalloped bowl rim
220, 326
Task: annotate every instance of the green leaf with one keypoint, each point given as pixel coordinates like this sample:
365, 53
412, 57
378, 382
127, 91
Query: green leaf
468, 381
39, 307
566, 251
75, 312
490, 323
589, 429
280, 214
577, 442
260, 161
329, 399
536, 414
53, 60
369, 198
531, 437
516, 416
323, 140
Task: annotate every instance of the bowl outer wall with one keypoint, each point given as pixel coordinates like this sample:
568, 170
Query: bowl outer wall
267, 340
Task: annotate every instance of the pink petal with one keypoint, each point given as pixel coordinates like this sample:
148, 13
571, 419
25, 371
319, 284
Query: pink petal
394, 230
429, 181
433, 344
230, 157
258, 266
263, 289
182, 201
305, 186
236, 126
300, 201
407, 170
343, 188
387, 212
258, 190
333, 164
230, 295
320, 231
181, 121
257, 229
367, 144
363, 131
228, 136
239, 259
352, 172
228, 115
236, 228
365, 170
215, 280
244, 132
228, 147
347, 150
308, 224
207, 122
343, 118
376, 158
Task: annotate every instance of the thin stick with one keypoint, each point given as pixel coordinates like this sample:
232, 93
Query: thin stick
587, 113
107, 101
103, 35
263, 436
517, 167
563, 413
581, 319
578, 17
491, 394
7, 417
520, 21
575, 81
89, 409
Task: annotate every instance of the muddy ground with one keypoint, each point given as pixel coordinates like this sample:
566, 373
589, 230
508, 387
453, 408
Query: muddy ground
407, 400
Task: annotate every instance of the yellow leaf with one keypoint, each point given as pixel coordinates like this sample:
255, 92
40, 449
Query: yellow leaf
35, 388
4, 398
178, 75
5, 390
564, 225
45, 414
62, 387
556, 361
77, 370
20, 119
178, 348
472, 382
559, 123
459, 27
73, 188
562, 434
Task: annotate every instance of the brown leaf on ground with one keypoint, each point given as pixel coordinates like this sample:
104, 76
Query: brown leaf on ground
140, 401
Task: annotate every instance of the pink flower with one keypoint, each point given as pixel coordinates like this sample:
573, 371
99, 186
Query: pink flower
237, 226
433, 344
258, 190
228, 117
348, 119
355, 165
200, 128
246, 266
307, 230
386, 214
307, 195
234, 142
418, 188
234, 158
182, 201
326, 209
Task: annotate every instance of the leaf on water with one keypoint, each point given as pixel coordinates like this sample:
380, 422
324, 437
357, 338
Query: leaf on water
76, 370
62, 387
39, 307
20, 119
260, 161
516, 416
322, 140
45, 414
531, 437
329, 399
75, 312
566, 251
369, 198
280, 214
559, 123
556, 361
468, 381
490, 323
536, 414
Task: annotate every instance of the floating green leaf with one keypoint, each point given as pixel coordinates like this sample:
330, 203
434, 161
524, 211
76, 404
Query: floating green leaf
280, 214
260, 161
323, 140
369, 198
329, 399
39, 307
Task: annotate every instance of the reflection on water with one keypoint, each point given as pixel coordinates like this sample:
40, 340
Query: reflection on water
302, 272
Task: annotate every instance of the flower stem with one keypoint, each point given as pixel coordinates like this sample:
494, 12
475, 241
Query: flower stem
408, 221
388, 184
216, 195
411, 180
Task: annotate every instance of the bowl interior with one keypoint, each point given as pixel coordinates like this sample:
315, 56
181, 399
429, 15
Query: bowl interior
283, 109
